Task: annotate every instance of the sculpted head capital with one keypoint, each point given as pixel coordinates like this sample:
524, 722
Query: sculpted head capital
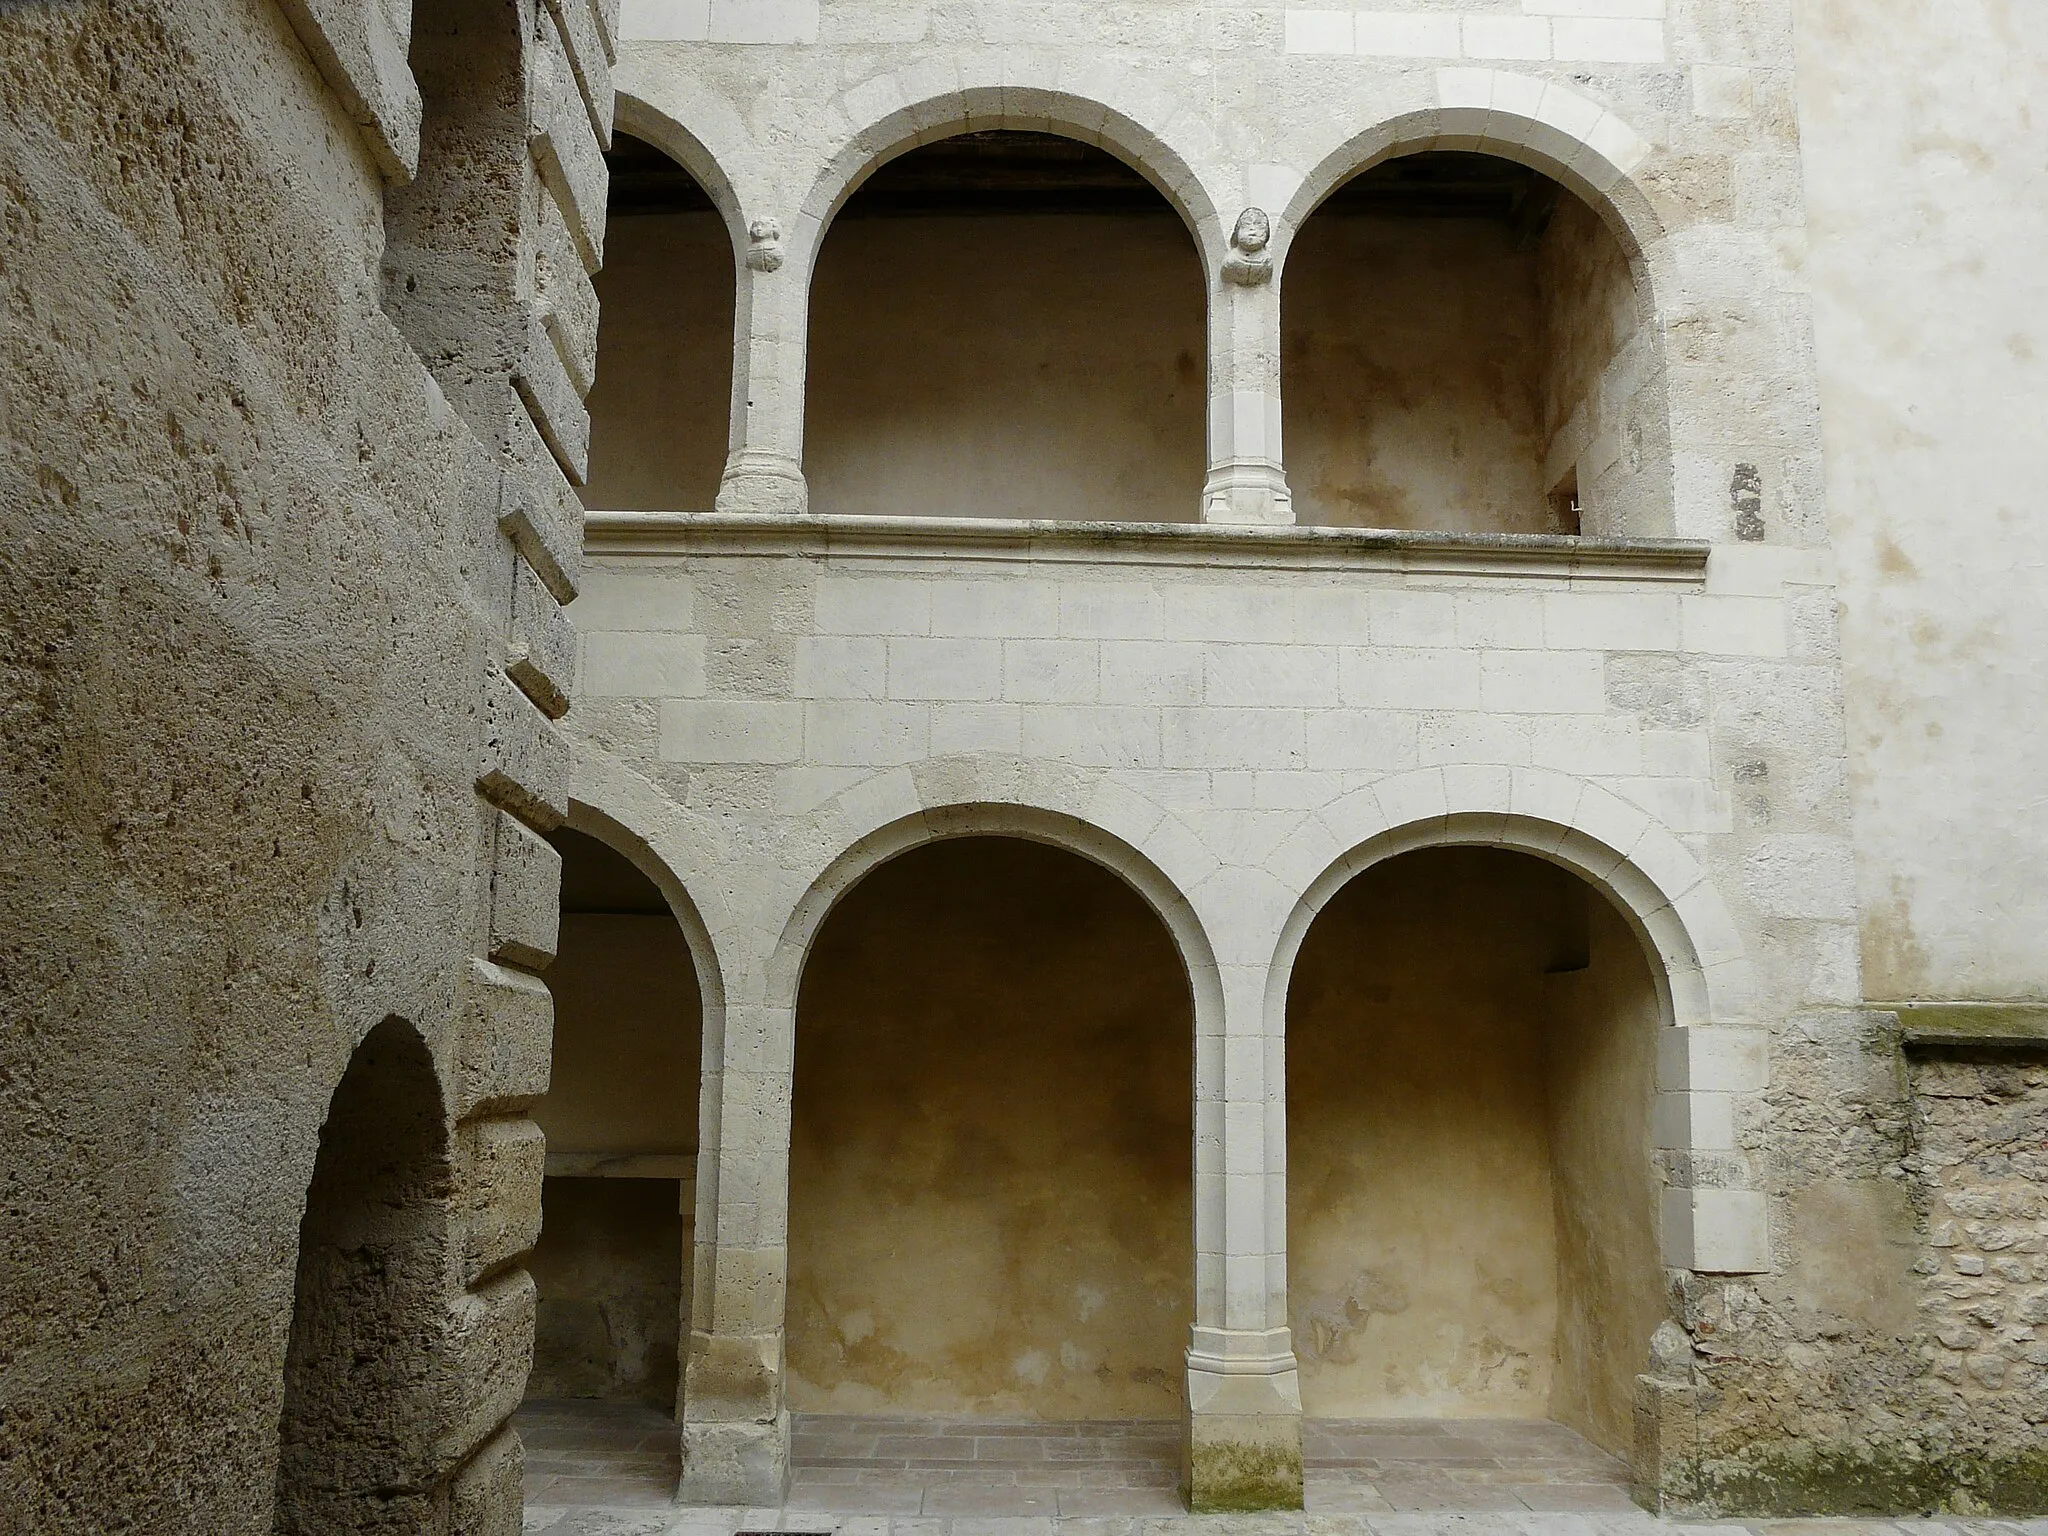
764, 245
1252, 231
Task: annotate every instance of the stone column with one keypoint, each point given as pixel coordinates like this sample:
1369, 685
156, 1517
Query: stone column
1243, 1447
1246, 483
735, 1408
771, 311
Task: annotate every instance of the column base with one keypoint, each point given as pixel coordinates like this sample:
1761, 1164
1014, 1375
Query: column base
746, 1463
1243, 1446
763, 482
1250, 495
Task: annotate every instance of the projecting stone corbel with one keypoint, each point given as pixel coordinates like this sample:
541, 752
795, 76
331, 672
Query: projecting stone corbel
764, 245
1248, 264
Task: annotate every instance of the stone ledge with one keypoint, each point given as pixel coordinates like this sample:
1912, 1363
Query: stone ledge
1555, 558
623, 1165
1972, 1029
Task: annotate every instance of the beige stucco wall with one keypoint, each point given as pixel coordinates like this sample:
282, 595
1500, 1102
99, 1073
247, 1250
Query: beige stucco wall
660, 407
1927, 212
628, 1027
611, 1274
1007, 366
1410, 375
990, 1173
1471, 1054
1602, 1024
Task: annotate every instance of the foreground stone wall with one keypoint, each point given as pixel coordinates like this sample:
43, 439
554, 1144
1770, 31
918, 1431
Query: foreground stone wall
280, 603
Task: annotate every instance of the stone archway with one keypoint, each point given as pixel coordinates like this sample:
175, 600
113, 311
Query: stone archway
362, 1379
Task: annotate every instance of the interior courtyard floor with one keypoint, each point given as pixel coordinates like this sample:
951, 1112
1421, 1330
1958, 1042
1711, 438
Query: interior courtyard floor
603, 1469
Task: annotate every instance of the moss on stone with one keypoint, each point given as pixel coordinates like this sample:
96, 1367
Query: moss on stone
1837, 1482
1963, 1028
1238, 1479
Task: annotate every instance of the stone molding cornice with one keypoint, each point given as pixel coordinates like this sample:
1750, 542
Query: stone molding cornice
1549, 558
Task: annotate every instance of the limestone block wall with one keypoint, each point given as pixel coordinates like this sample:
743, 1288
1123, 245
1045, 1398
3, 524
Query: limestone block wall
1235, 721
288, 525
1677, 123
1674, 122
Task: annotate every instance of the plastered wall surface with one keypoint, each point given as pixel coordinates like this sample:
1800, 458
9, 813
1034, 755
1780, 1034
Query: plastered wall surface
1603, 1030
256, 608
1410, 357
1605, 395
628, 1026
1926, 205
1007, 366
664, 364
1472, 1040
610, 1276
1453, 373
990, 1182
1423, 1268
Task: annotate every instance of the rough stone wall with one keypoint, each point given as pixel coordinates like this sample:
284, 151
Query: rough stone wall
1981, 1149
276, 690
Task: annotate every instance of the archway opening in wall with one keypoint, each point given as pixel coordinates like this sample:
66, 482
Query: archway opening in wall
661, 404
991, 1174
1471, 1058
357, 1432
1464, 349
612, 1269
1007, 324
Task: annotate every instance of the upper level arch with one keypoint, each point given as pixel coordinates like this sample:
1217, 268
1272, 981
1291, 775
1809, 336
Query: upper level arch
660, 126
922, 119
1469, 335
1583, 146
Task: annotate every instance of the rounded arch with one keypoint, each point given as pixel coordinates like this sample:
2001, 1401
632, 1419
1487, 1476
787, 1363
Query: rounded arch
978, 108
1001, 819
355, 1425
657, 126
1576, 142
1661, 891
622, 839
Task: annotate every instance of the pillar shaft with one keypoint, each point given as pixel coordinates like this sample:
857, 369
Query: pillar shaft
765, 449
1246, 482
1243, 1446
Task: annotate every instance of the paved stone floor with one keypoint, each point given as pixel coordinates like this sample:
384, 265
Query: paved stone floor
596, 1469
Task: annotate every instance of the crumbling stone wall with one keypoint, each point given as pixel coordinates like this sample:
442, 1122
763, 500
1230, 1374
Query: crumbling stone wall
280, 649
1894, 1361
1981, 1132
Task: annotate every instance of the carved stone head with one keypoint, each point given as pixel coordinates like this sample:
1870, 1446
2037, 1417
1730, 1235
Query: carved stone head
1252, 231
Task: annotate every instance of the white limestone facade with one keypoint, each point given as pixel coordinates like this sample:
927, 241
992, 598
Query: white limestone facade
1239, 713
